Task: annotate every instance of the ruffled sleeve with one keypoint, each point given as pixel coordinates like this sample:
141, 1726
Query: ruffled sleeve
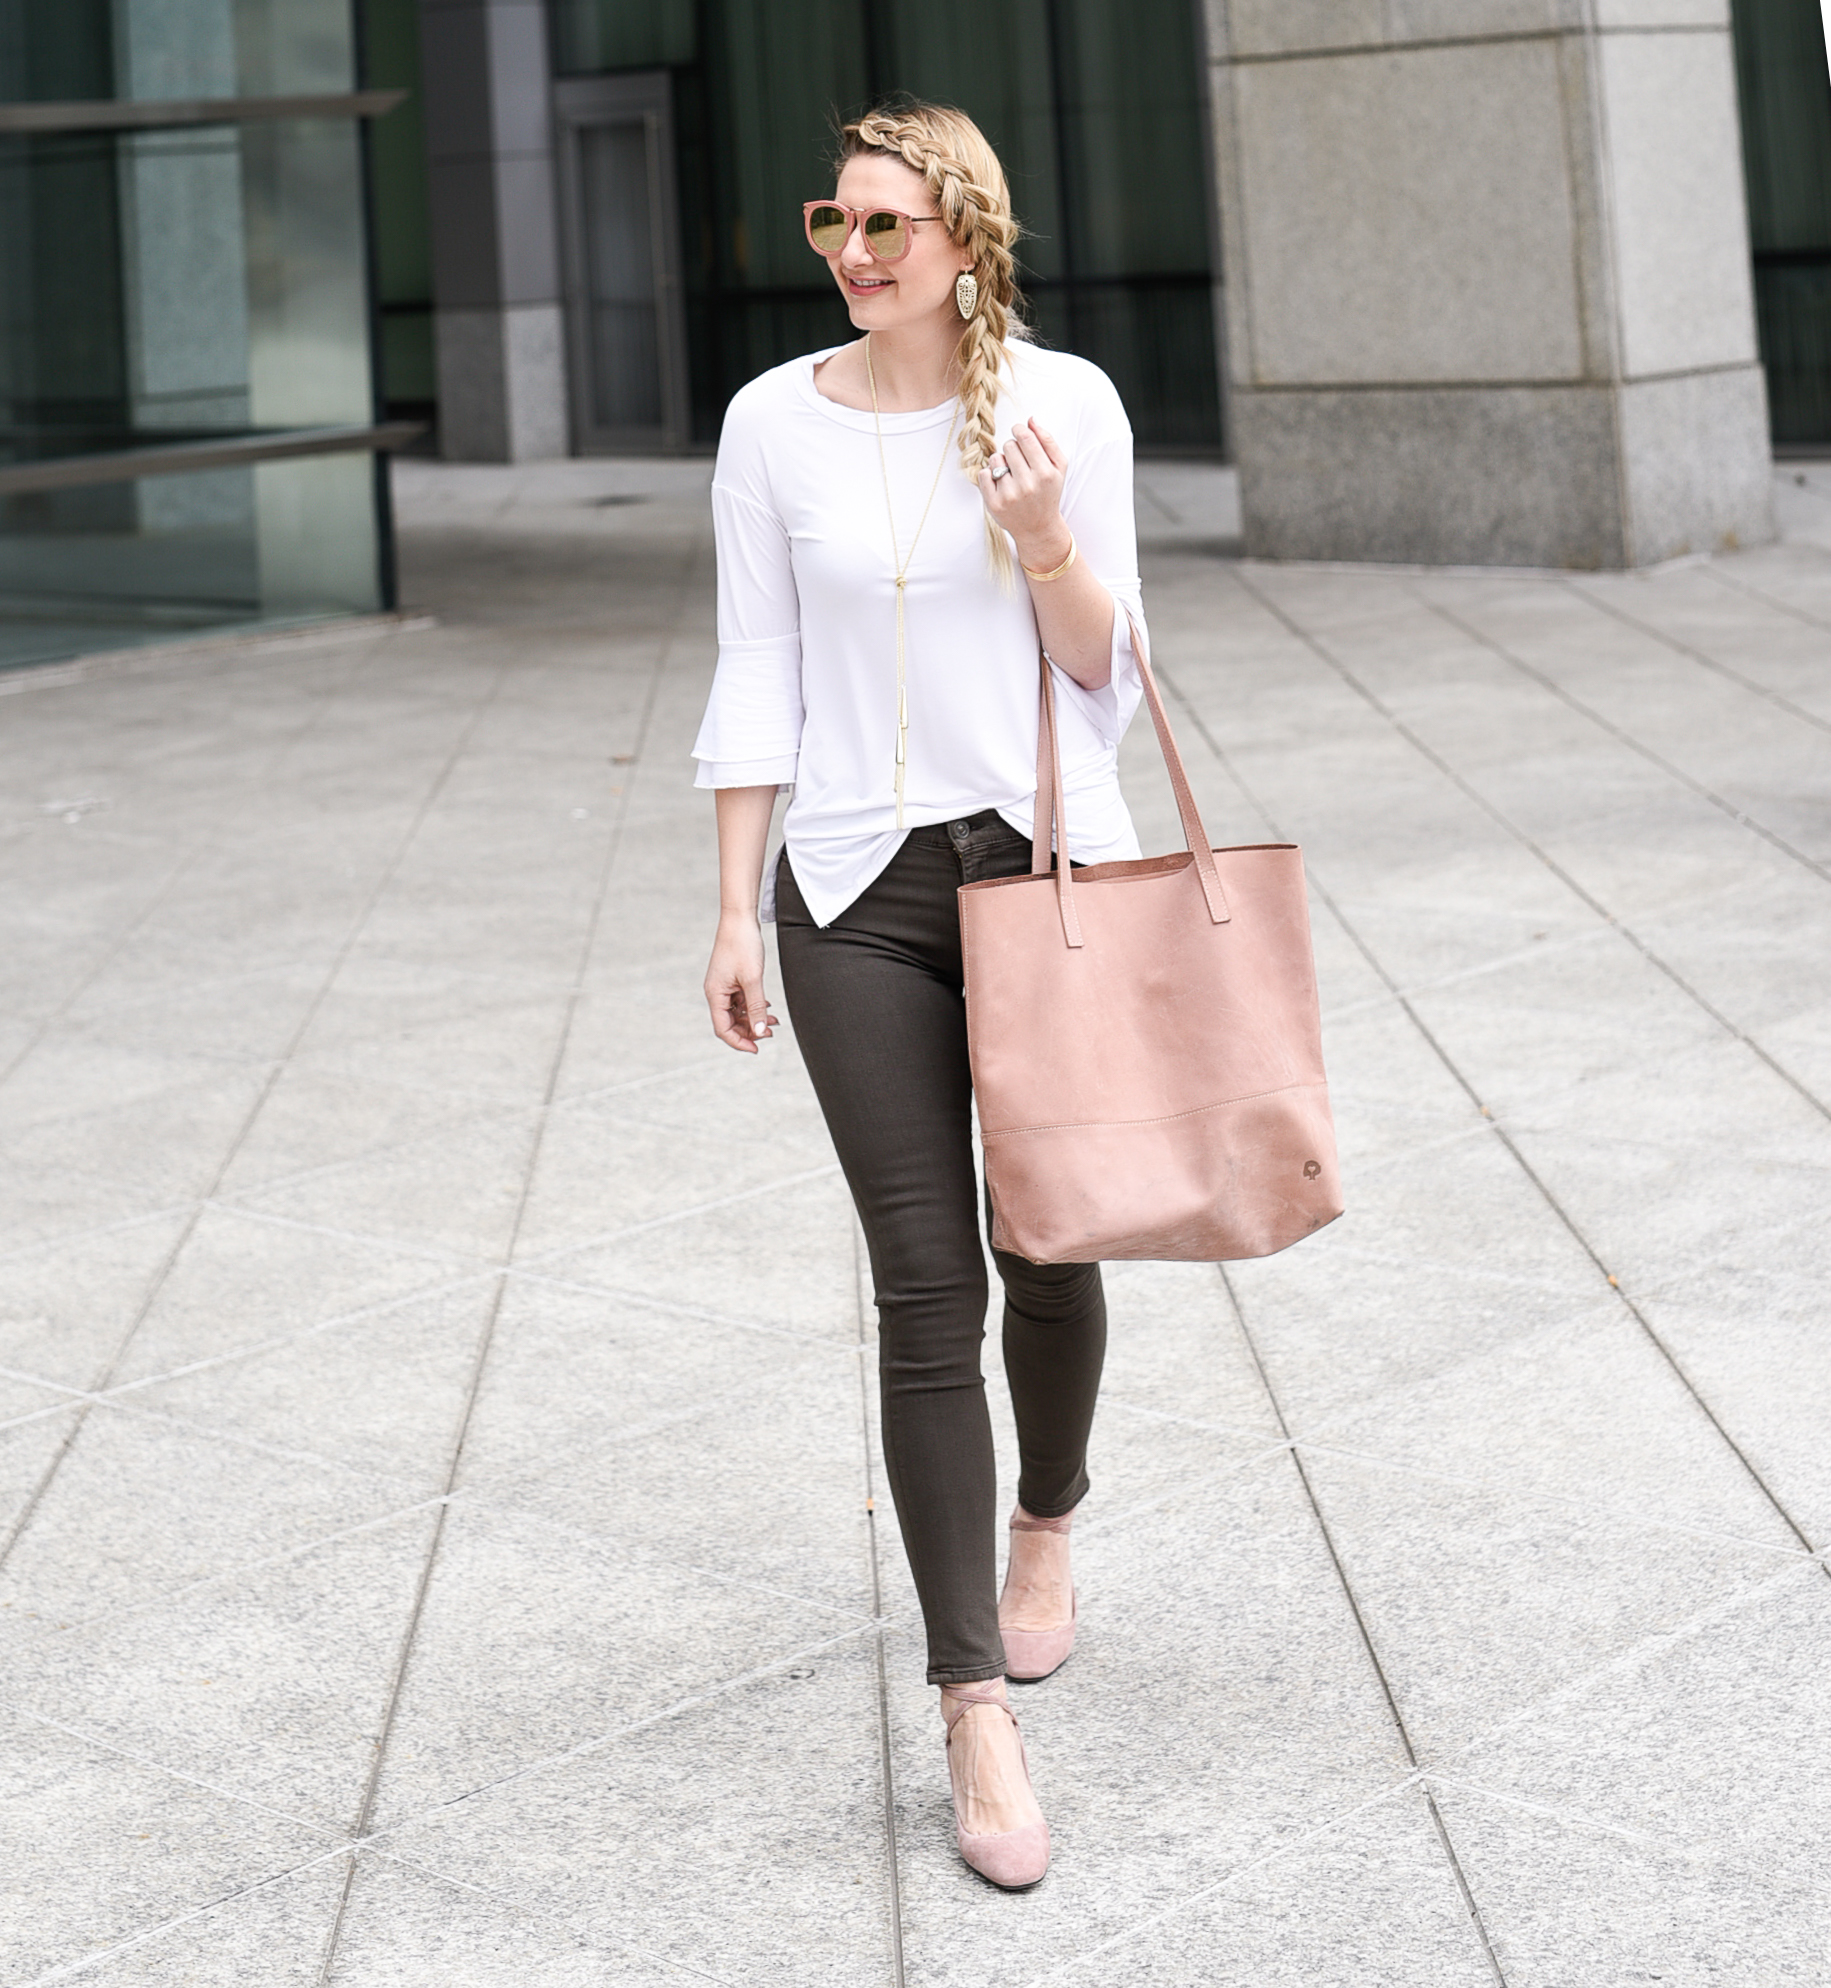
1097, 507
751, 733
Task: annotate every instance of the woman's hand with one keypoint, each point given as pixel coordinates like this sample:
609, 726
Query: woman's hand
1074, 612
734, 983
1027, 501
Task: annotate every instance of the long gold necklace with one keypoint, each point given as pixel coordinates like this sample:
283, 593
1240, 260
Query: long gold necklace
902, 569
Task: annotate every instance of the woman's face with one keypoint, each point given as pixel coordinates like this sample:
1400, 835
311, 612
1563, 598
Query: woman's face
884, 295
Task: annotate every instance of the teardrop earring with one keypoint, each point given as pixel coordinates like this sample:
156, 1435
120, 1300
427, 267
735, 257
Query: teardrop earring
966, 292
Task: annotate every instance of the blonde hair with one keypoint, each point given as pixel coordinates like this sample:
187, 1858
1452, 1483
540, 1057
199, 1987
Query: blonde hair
973, 199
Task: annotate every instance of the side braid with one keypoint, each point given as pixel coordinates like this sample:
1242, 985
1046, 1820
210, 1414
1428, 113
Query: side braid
973, 199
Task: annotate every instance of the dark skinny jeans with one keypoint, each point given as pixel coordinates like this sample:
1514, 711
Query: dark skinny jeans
877, 1003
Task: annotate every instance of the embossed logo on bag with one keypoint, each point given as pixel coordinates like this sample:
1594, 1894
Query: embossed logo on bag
1311, 1168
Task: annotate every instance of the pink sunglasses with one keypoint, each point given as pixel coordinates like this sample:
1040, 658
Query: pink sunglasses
886, 233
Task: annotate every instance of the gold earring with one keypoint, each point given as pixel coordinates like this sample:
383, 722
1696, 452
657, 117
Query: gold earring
966, 292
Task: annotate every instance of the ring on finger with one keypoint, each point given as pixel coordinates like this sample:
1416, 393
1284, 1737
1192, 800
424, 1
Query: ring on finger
999, 467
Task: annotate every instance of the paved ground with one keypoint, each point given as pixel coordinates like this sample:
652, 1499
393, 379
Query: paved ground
435, 1413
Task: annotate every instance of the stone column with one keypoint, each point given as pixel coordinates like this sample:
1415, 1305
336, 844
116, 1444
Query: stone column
1488, 281
495, 243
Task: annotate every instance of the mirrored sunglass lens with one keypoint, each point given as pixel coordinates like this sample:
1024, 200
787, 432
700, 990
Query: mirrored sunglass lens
886, 234
827, 229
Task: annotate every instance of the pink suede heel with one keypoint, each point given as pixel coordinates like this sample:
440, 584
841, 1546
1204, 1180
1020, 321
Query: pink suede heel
1012, 1859
1034, 1654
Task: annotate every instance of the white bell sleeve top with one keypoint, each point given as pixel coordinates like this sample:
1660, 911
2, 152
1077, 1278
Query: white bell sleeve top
805, 691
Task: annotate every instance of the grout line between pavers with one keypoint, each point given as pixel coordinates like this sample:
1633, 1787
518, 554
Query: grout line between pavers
1365, 1632
238, 1797
538, 1519
1568, 1818
209, 1432
1326, 1244
1715, 1849
598, 1742
1210, 1426
301, 1551
1328, 1537
68, 1970
499, 1506
1106, 1522
472, 1118
1714, 570
1544, 1097
171, 1211
474, 1272
1253, 1864
701, 1314
886, 1757
517, 1908
1699, 656
1639, 1522
1463, 975
1677, 1270
558, 1252
75, 1398
1637, 1655
410, 1251
421, 1294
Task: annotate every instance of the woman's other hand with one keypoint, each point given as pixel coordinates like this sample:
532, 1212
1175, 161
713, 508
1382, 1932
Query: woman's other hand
734, 984
1074, 612
1027, 500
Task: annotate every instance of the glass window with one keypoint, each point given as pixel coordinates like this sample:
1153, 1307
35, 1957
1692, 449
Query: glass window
591, 36
177, 292
1095, 107
1786, 142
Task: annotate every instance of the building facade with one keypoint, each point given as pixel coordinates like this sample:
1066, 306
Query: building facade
1449, 279
1488, 281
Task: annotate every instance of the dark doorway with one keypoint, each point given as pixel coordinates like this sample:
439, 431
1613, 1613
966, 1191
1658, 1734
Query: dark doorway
626, 338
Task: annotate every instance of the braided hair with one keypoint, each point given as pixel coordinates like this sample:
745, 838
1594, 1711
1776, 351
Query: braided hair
973, 199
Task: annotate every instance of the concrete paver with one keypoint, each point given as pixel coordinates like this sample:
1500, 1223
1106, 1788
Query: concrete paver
437, 1435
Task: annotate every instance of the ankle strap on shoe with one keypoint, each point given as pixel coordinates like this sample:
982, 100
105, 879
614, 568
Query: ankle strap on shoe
1022, 1522
964, 1701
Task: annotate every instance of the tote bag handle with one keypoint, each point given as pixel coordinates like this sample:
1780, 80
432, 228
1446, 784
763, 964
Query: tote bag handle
1050, 820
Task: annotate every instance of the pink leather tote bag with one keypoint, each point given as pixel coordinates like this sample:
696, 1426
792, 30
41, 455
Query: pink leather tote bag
1146, 1048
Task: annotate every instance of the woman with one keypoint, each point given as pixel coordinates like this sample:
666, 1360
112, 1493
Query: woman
878, 651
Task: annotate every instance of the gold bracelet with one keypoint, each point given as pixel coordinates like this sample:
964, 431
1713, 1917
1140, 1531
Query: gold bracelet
1073, 549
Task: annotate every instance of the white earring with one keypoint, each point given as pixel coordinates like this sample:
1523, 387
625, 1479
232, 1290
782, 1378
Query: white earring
966, 292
